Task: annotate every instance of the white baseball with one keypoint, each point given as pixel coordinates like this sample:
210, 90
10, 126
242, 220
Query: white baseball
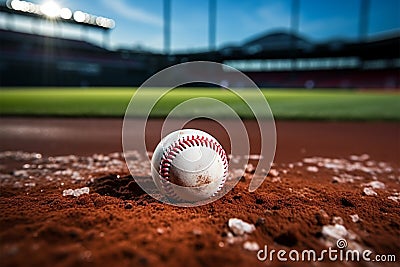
189, 165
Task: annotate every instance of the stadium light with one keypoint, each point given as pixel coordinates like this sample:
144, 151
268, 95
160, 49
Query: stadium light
79, 16
65, 13
52, 10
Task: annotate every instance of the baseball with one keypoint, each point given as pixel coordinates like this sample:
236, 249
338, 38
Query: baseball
189, 165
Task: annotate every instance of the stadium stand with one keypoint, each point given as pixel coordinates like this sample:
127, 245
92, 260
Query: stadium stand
278, 59
33, 60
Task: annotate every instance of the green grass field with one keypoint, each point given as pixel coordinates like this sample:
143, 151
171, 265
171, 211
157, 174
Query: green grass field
285, 104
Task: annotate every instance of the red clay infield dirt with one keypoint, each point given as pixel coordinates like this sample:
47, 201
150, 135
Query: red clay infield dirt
330, 181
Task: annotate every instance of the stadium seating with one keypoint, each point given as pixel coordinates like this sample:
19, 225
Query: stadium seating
35, 60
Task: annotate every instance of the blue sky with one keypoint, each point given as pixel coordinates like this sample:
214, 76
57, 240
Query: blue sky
140, 22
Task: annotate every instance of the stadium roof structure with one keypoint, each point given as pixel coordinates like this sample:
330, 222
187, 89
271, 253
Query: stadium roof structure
276, 41
285, 45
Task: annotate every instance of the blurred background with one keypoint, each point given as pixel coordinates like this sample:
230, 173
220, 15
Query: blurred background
286, 44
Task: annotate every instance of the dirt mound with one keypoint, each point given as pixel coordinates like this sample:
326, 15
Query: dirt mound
301, 205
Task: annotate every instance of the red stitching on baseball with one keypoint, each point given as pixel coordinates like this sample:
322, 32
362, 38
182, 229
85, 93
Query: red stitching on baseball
177, 147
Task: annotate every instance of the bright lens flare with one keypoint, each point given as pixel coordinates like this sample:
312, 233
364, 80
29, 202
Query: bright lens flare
65, 13
79, 16
50, 9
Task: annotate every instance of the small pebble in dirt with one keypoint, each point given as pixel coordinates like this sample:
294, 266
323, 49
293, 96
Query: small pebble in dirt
76, 192
312, 169
376, 185
233, 239
197, 232
362, 157
333, 233
160, 231
322, 217
336, 231
249, 168
369, 192
21, 173
338, 180
128, 206
30, 184
276, 180
394, 198
273, 173
337, 220
86, 255
355, 218
239, 227
251, 246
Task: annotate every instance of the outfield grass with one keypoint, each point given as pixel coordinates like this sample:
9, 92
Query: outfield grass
285, 104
